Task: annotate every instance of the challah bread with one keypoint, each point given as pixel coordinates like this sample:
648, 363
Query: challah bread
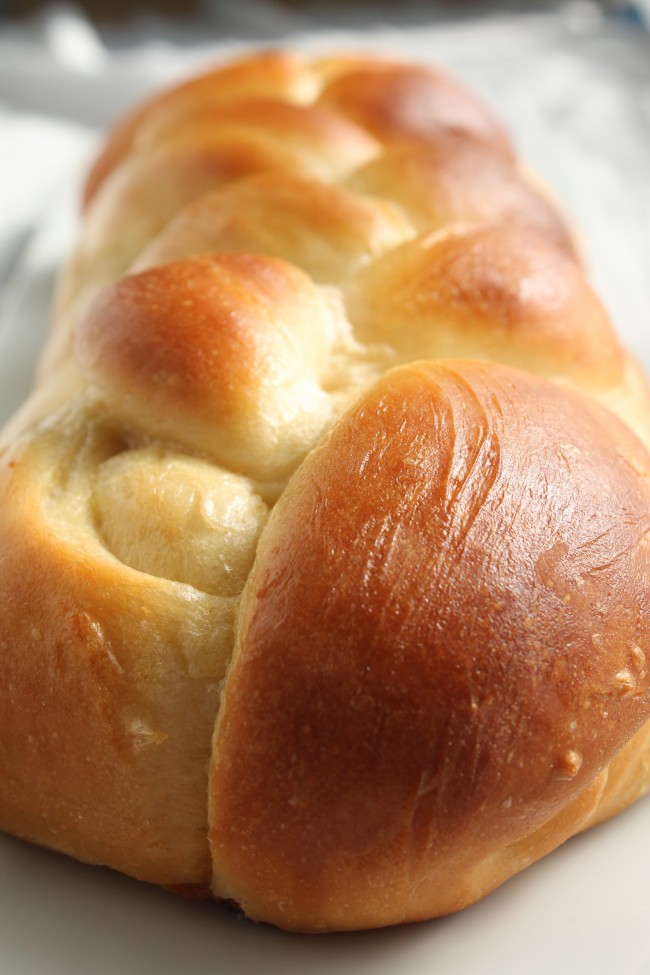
324, 560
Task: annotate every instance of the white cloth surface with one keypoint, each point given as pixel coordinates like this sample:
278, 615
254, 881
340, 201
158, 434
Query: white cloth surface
572, 84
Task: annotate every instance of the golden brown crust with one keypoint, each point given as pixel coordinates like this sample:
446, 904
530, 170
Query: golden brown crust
433, 636
440, 654
453, 179
326, 230
110, 683
415, 104
489, 291
191, 352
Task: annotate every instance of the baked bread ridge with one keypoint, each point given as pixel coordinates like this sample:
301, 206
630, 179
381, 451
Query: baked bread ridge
471, 521
279, 265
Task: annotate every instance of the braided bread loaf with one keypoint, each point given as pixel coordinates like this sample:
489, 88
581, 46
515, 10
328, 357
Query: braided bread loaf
324, 537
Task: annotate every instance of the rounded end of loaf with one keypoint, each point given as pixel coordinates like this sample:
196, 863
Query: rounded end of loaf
442, 644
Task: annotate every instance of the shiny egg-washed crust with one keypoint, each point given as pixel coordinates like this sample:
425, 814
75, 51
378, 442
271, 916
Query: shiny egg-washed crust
324, 535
